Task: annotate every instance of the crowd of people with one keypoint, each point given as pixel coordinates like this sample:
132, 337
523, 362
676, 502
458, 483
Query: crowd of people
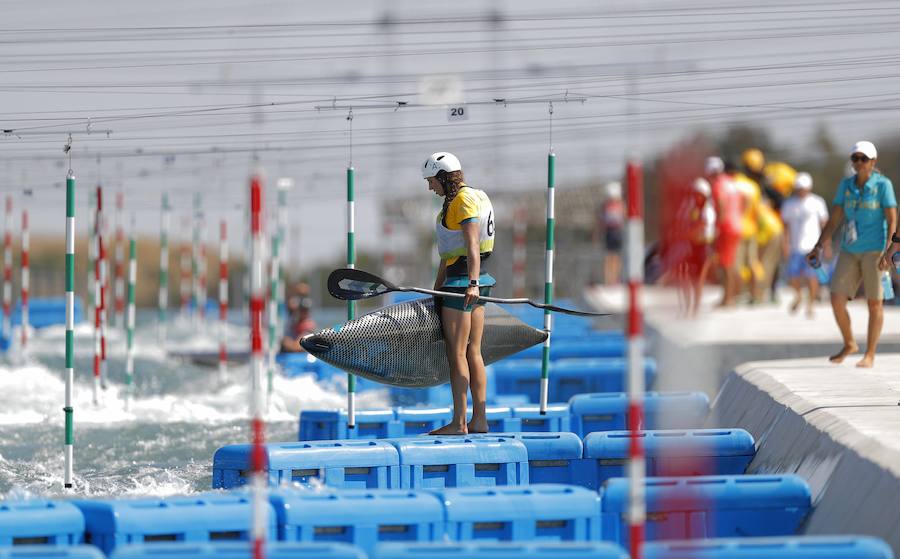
747, 224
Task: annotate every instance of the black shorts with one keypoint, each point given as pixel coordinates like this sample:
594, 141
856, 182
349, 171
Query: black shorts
613, 240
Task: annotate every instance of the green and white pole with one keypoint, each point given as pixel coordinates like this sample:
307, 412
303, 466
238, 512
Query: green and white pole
129, 324
69, 410
351, 305
163, 302
548, 278
273, 314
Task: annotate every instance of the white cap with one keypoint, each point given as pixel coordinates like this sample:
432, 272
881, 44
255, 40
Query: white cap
700, 185
614, 190
865, 148
714, 165
803, 181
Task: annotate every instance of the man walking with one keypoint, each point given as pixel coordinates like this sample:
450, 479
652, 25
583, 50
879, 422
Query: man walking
865, 204
804, 215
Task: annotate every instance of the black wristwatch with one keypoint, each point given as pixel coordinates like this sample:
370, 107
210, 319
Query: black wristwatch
473, 283
895, 238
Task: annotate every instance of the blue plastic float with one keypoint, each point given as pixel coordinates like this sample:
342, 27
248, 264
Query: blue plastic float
235, 550
359, 517
51, 552
555, 420
448, 461
552, 457
608, 411
792, 547
110, 523
521, 514
40, 522
709, 507
347, 463
501, 550
668, 453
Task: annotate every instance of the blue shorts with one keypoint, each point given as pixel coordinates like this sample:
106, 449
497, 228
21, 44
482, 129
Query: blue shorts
459, 284
798, 267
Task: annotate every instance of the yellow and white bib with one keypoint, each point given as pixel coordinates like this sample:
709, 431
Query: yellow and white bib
469, 203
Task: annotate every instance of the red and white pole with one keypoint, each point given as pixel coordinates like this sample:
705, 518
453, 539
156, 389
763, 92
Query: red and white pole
637, 512
7, 270
389, 258
257, 370
119, 266
223, 296
26, 242
520, 246
103, 280
201, 270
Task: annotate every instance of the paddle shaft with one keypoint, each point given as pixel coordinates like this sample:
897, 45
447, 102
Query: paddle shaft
519, 301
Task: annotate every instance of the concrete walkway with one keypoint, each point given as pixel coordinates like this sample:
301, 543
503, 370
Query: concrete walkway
837, 426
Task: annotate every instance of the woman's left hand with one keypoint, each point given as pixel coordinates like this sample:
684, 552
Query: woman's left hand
471, 296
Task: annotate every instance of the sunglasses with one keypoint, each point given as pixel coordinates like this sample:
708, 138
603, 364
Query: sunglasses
857, 158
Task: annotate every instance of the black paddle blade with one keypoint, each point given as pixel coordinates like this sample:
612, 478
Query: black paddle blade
349, 284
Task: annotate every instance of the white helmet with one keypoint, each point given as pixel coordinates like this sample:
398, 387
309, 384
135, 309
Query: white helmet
440, 161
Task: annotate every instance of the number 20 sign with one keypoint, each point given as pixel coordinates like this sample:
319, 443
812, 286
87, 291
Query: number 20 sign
457, 112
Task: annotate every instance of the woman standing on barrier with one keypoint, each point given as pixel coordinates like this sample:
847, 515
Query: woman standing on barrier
465, 238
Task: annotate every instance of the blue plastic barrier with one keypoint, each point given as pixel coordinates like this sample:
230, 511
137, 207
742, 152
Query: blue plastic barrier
501, 550
416, 421
436, 462
197, 518
557, 419
359, 517
552, 457
568, 377
501, 420
436, 396
238, 550
326, 425
668, 453
46, 311
51, 552
709, 507
347, 463
792, 547
608, 411
589, 348
40, 522
532, 512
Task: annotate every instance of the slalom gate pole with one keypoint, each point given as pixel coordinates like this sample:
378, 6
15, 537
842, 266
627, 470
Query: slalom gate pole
7, 269
548, 272
635, 332
98, 310
272, 312
223, 297
185, 280
351, 305
258, 457
519, 252
26, 273
69, 409
92, 257
388, 258
103, 279
163, 301
119, 266
204, 266
129, 325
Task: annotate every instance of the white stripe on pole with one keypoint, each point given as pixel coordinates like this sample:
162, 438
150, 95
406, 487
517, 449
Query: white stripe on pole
635, 331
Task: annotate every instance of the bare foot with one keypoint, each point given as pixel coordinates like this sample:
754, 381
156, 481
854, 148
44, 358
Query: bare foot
845, 351
866, 362
477, 427
451, 429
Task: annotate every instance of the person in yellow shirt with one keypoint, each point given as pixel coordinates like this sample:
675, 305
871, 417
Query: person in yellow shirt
465, 237
749, 266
